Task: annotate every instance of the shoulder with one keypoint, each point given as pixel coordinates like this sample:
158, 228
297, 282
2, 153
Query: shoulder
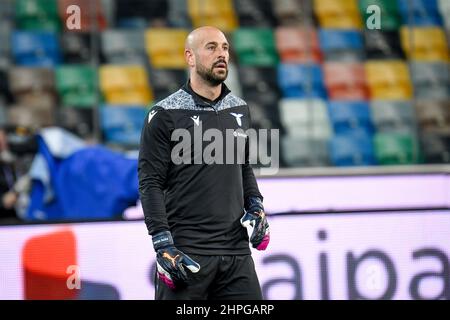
177, 100
231, 101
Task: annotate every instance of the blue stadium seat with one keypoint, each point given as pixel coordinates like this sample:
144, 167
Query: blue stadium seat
301, 81
36, 48
424, 12
122, 124
355, 149
347, 116
341, 45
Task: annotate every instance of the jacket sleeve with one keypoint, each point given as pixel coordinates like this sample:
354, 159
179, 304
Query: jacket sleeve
153, 164
248, 177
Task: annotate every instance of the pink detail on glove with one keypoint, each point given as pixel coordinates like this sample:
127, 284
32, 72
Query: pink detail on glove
264, 243
166, 280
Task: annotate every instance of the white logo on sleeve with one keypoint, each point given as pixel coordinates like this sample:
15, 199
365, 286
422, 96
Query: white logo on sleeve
151, 115
238, 117
196, 120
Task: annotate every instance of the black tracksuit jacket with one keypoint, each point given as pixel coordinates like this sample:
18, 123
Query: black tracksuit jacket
201, 204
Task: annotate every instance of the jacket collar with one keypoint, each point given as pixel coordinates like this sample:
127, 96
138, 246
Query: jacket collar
200, 100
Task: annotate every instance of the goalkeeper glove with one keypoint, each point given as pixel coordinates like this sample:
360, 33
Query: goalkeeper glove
255, 216
171, 262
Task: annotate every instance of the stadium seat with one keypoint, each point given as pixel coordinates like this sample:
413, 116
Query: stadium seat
76, 47
166, 81
125, 84
420, 12
345, 81
302, 152
293, 12
178, 15
5, 42
165, 47
123, 46
388, 80
297, 45
122, 125
381, 45
257, 79
431, 80
348, 116
255, 46
87, 8
305, 118
37, 15
140, 14
341, 45
76, 120
430, 44
254, 13
260, 90
396, 148
352, 149
220, 14
343, 14
433, 115
435, 147
33, 87
390, 16
444, 9
393, 116
301, 81
232, 80
3, 115
35, 49
5, 93
33, 117
76, 85
262, 112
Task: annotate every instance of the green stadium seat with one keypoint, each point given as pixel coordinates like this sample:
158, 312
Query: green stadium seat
76, 85
37, 15
390, 16
396, 148
255, 46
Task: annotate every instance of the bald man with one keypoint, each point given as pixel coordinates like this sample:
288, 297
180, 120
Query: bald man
198, 203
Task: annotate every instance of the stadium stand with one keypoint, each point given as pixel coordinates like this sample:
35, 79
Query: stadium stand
383, 95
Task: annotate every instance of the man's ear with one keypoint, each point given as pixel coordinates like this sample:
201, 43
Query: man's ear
189, 57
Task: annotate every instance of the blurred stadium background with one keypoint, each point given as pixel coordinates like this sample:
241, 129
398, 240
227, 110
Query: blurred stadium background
360, 206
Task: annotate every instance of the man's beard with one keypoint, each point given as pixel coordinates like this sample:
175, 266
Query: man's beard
209, 76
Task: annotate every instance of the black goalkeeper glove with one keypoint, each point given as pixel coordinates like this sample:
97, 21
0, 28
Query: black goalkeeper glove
171, 262
255, 216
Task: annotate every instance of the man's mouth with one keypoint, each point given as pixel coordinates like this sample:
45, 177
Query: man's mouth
222, 65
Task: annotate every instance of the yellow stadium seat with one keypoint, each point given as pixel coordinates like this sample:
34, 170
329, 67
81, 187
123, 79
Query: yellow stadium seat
125, 84
165, 47
342, 14
429, 43
218, 13
388, 79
